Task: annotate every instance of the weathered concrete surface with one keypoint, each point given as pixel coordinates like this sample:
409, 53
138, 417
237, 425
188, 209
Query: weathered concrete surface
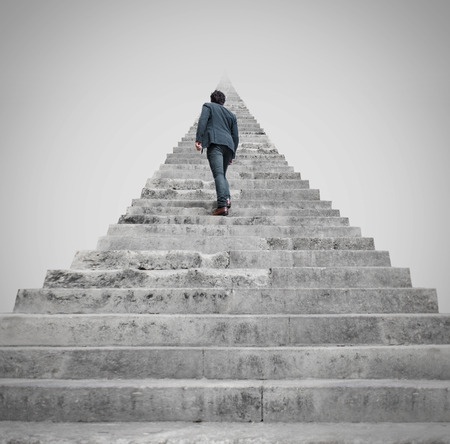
305, 221
235, 184
225, 330
306, 277
215, 244
130, 400
237, 300
223, 433
183, 259
206, 209
259, 206
143, 230
225, 400
321, 362
357, 401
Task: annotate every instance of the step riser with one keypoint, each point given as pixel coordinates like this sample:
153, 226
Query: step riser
237, 203
250, 161
231, 175
168, 260
235, 184
289, 195
133, 403
236, 301
143, 230
327, 277
248, 331
296, 221
260, 402
237, 167
236, 212
213, 244
234, 363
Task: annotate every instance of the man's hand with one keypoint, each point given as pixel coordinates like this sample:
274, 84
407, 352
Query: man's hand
198, 145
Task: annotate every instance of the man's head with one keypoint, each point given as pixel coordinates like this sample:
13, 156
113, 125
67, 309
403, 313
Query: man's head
218, 97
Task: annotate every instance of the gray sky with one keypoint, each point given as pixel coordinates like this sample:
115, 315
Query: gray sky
94, 94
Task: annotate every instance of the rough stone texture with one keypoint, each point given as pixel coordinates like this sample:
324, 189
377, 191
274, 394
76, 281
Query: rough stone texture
223, 433
279, 316
236, 300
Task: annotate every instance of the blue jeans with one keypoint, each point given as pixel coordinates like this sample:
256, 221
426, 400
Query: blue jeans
219, 157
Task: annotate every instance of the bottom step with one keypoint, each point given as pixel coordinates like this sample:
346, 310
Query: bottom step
223, 433
214, 400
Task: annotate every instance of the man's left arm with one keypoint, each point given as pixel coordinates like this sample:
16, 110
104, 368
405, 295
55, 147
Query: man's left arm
201, 127
235, 134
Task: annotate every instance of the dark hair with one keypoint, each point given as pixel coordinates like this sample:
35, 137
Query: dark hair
218, 97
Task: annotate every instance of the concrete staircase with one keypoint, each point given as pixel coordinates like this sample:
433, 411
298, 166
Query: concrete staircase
280, 312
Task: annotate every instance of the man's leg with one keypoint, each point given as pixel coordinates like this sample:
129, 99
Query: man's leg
219, 158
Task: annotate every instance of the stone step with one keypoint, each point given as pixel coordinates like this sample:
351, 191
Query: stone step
184, 259
88, 400
259, 207
214, 244
179, 432
255, 194
243, 160
227, 301
235, 184
142, 230
307, 277
355, 362
208, 300
99, 330
237, 167
244, 154
206, 174
259, 145
244, 149
297, 221
206, 210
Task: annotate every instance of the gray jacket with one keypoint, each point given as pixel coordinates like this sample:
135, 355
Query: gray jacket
217, 125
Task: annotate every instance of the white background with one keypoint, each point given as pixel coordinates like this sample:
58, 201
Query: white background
94, 94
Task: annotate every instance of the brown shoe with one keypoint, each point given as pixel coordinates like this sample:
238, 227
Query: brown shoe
223, 211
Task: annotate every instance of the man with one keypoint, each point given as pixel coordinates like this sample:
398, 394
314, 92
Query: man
218, 132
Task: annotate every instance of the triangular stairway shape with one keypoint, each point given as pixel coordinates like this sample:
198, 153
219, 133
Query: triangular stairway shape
280, 312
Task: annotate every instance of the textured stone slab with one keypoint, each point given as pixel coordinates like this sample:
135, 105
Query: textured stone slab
191, 400
214, 244
313, 258
131, 400
348, 277
205, 174
223, 433
148, 260
184, 259
138, 330
235, 184
357, 401
207, 194
193, 277
297, 221
205, 244
355, 362
206, 210
306, 277
223, 330
236, 167
216, 300
258, 207
142, 230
